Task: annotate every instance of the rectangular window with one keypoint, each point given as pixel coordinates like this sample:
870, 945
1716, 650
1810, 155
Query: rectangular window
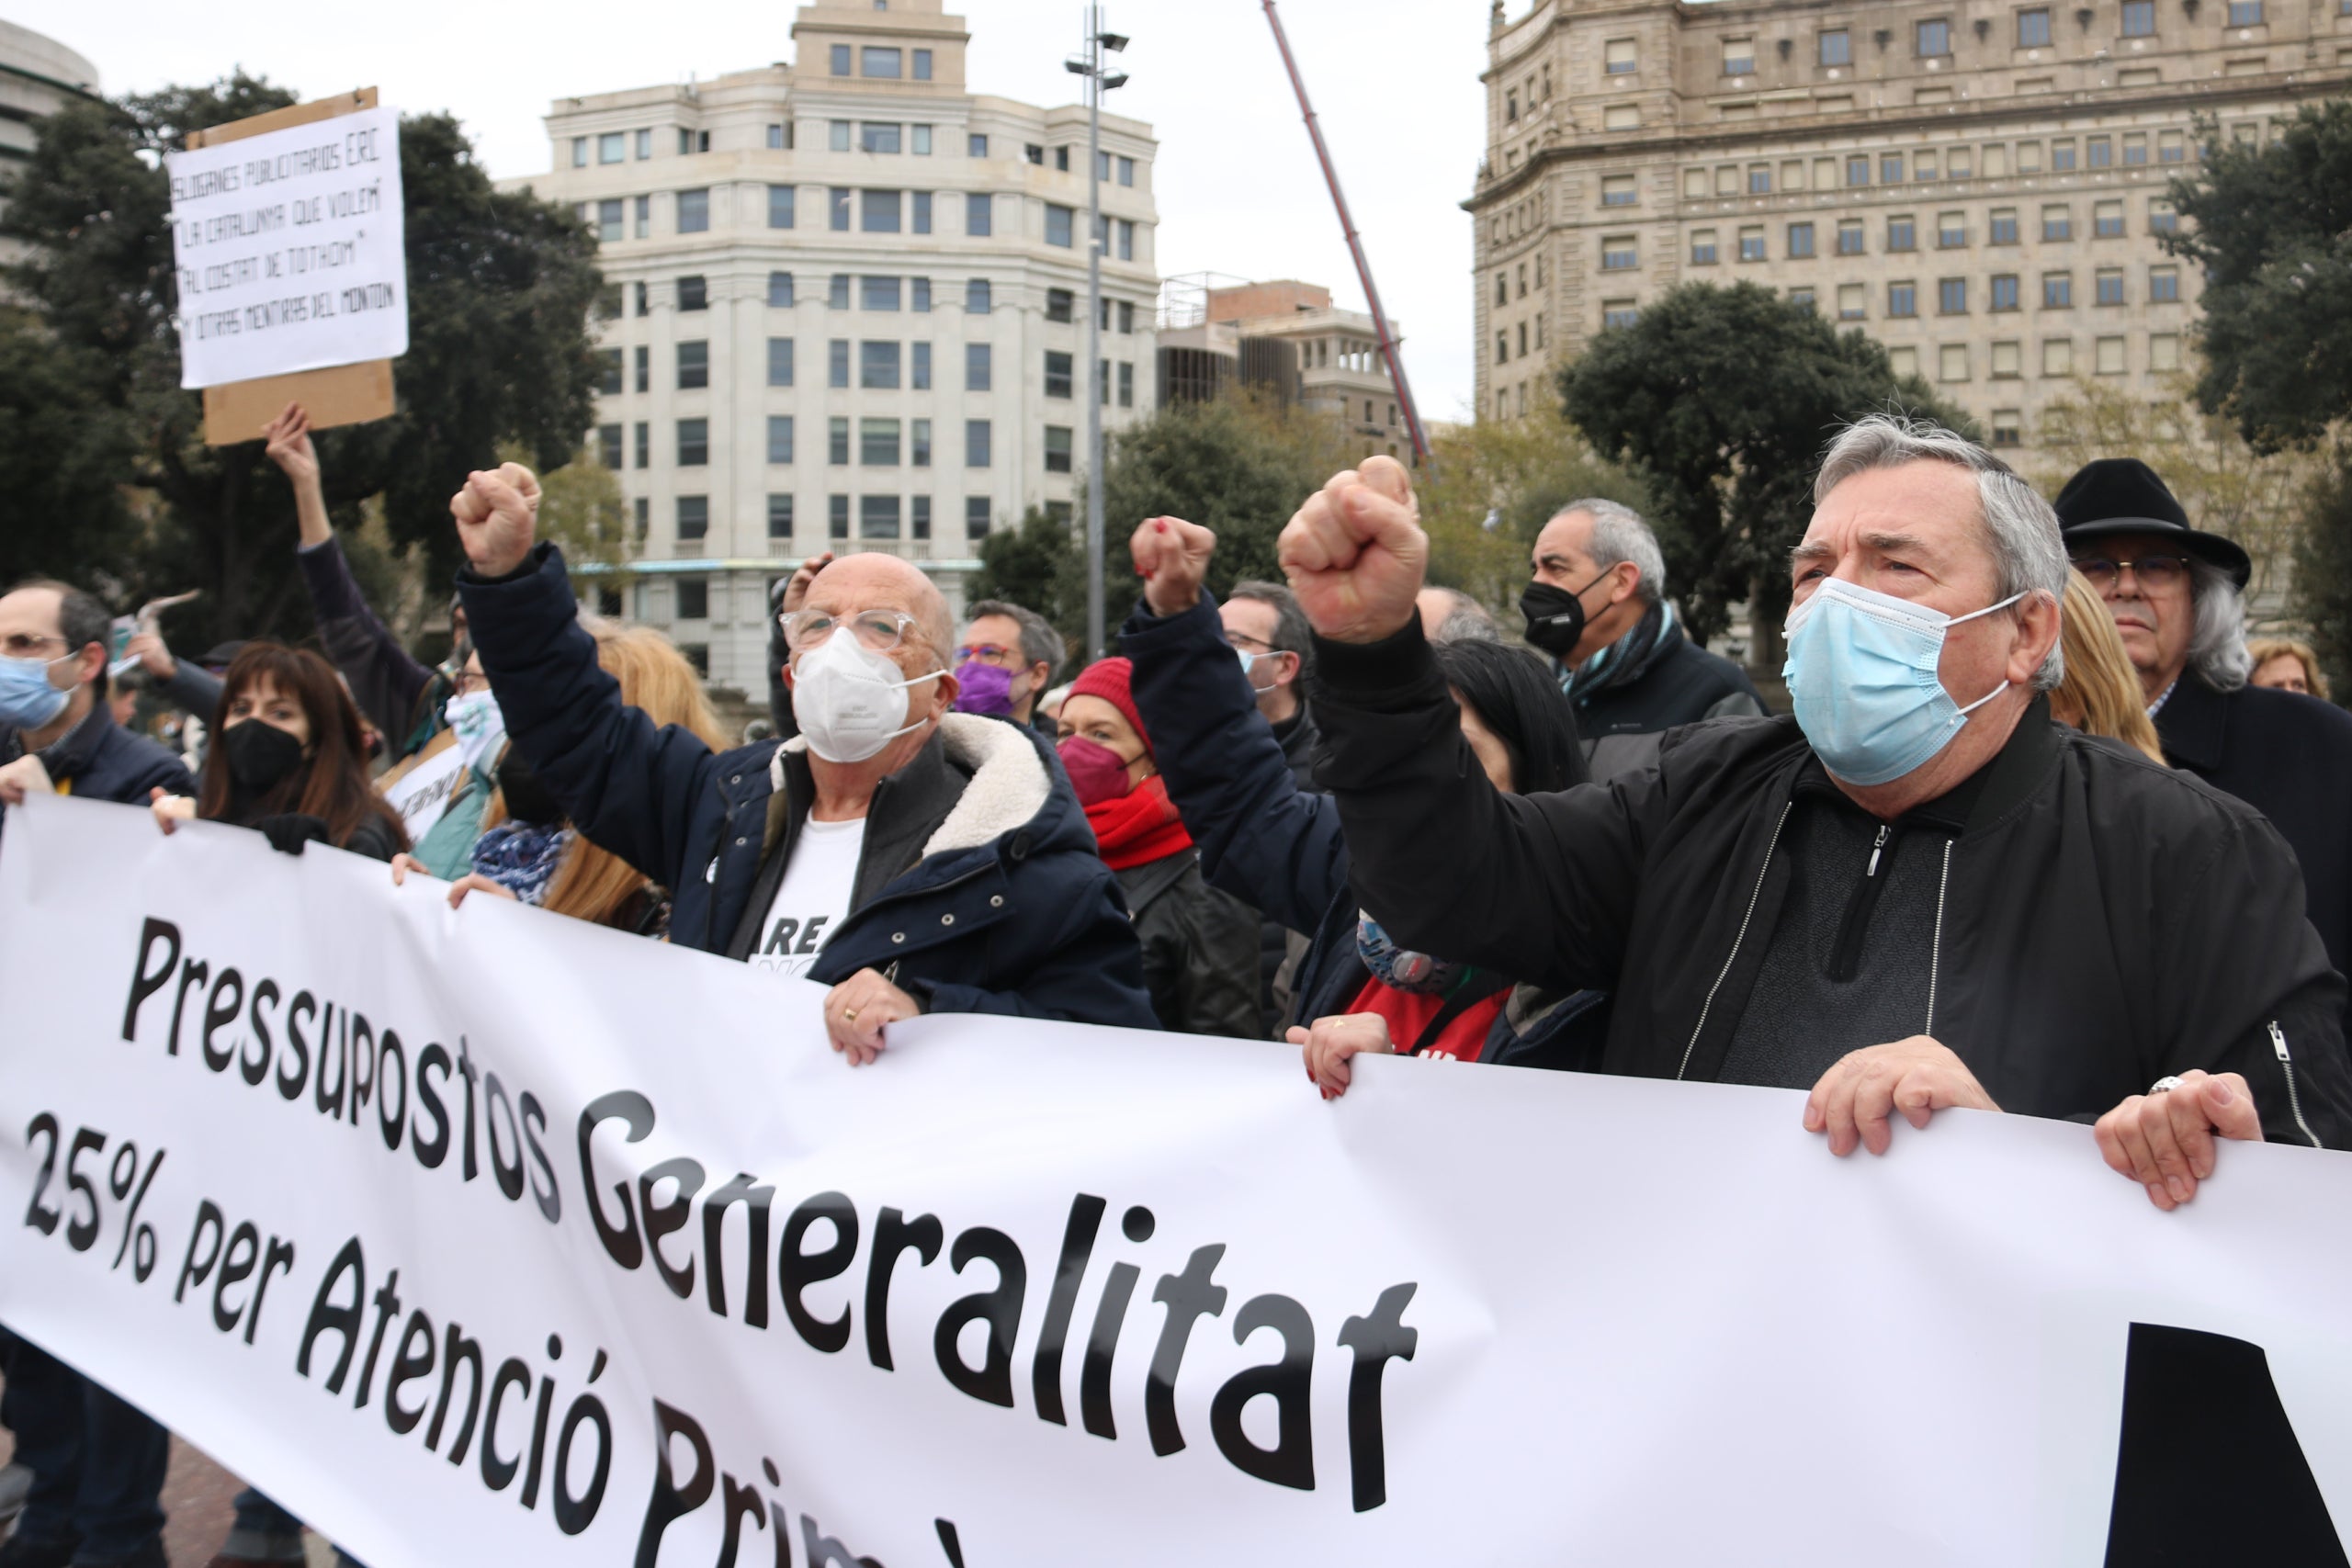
840, 60
1035, 153
1127, 384
885, 64
2057, 223
779, 438
1619, 314
1059, 304
1621, 57
1751, 244
693, 442
977, 213
1058, 230
1903, 234
2033, 29
780, 207
919, 516
1694, 185
1127, 317
877, 293
1704, 250
1759, 179
2163, 285
2005, 291
608, 445
918, 211
2245, 13
608, 372
694, 516
1857, 169
2028, 157
918, 368
978, 296
641, 438
880, 212
694, 211
1057, 449
694, 366
2107, 219
918, 443
1851, 302
1803, 297
839, 135
609, 221
779, 516
2101, 152
2008, 362
976, 145
1890, 168
1952, 297
1127, 238
780, 289
1058, 374
877, 366
2057, 290
1951, 362
612, 147
1101, 165
837, 442
2108, 286
837, 516
1800, 242
878, 443
979, 367
1127, 171
837, 363
644, 144
1904, 362
1617, 190
878, 136
1902, 300
1951, 231
1061, 158
1935, 38
2007, 427
2172, 146
2109, 353
975, 517
1836, 47
2061, 157
644, 368
1961, 163
839, 204
2138, 19
1620, 253
2164, 351
1849, 237
778, 139
922, 64
2002, 230
975, 444
878, 516
919, 296
1739, 57
779, 362
579, 151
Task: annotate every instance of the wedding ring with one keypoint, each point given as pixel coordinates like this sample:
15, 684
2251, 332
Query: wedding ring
849, 1015
2165, 1085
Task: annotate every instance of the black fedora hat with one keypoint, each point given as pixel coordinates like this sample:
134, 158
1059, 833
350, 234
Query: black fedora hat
2123, 495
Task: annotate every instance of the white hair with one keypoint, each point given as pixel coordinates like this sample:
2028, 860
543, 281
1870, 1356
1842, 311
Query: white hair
2217, 649
2028, 555
1620, 535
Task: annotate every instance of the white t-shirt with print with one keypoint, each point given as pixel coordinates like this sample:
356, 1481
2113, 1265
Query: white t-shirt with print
814, 899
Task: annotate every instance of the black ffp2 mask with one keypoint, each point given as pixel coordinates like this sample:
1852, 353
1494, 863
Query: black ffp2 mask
1554, 617
260, 756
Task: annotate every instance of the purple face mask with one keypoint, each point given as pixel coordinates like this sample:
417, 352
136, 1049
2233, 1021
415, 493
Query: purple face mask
984, 688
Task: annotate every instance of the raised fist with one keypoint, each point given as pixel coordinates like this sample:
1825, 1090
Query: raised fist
1172, 556
498, 516
1355, 554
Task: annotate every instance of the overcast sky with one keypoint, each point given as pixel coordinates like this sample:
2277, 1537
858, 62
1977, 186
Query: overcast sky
1238, 185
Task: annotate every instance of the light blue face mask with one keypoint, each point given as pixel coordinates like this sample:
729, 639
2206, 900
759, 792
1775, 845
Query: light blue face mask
26, 699
1861, 669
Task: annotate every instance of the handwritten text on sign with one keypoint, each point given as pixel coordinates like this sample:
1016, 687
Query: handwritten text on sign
288, 250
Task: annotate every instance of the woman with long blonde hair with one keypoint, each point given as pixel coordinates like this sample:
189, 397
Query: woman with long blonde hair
2100, 694
528, 852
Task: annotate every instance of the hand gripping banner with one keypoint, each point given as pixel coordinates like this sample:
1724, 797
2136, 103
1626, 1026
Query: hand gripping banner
487, 1235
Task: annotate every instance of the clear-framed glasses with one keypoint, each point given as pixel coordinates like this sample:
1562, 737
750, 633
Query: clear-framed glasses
24, 645
881, 630
2159, 572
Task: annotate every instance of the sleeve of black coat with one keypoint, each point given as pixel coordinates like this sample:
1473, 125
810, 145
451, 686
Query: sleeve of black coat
2238, 959
384, 680
1092, 973
628, 785
1540, 888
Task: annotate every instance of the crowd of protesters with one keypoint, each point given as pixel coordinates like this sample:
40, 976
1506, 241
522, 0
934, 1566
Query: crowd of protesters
2044, 833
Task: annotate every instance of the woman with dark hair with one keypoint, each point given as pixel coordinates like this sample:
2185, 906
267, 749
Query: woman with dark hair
1278, 848
288, 759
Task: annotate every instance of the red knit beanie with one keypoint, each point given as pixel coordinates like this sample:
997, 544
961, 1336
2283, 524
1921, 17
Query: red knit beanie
1111, 680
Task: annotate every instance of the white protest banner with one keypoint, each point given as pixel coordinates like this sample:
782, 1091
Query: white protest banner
423, 790
288, 247
486, 1237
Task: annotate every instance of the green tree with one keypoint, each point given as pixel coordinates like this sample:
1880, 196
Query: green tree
2322, 595
1722, 400
2271, 226
63, 455
1496, 484
1027, 565
500, 290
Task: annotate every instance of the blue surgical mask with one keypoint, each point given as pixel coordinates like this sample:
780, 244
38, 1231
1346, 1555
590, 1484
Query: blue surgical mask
1862, 669
26, 699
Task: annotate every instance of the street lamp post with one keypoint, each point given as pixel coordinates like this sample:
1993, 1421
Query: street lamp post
1097, 81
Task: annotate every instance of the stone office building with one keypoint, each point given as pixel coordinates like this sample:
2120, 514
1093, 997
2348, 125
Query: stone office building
1978, 184
846, 310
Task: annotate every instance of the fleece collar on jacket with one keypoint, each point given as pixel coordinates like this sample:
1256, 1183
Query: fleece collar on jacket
1009, 785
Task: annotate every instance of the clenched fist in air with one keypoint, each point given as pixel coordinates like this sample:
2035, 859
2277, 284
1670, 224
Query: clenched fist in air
1172, 557
1355, 554
498, 516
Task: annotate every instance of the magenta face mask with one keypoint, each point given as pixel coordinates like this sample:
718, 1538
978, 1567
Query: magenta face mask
984, 689
1096, 772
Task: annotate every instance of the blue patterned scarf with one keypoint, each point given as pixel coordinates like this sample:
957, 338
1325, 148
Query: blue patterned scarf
521, 858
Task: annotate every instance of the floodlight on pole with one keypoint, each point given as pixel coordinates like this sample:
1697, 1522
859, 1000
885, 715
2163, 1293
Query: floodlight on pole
1097, 81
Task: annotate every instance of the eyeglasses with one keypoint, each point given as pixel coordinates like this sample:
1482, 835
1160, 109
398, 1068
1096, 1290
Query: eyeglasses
2159, 572
881, 630
1247, 643
988, 653
20, 645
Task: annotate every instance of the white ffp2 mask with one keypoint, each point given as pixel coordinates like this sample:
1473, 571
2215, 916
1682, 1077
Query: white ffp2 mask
850, 701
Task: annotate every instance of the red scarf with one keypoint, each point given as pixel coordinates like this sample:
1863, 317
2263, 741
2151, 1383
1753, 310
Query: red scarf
1139, 827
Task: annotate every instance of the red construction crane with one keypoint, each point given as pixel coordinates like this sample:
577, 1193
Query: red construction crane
1355, 246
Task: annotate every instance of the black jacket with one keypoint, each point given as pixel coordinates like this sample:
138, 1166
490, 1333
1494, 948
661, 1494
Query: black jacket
1297, 741
1270, 843
1655, 678
2290, 757
1200, 949
99, 760
978, 888
2110, 922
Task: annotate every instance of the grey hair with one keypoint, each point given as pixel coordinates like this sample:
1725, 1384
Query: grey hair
1040, 644
1620, 535
1292, 634
2217, 649
1466, 620
2028, 557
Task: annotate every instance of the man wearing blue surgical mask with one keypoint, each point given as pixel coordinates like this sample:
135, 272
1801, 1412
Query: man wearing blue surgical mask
1917, 894
57, 733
